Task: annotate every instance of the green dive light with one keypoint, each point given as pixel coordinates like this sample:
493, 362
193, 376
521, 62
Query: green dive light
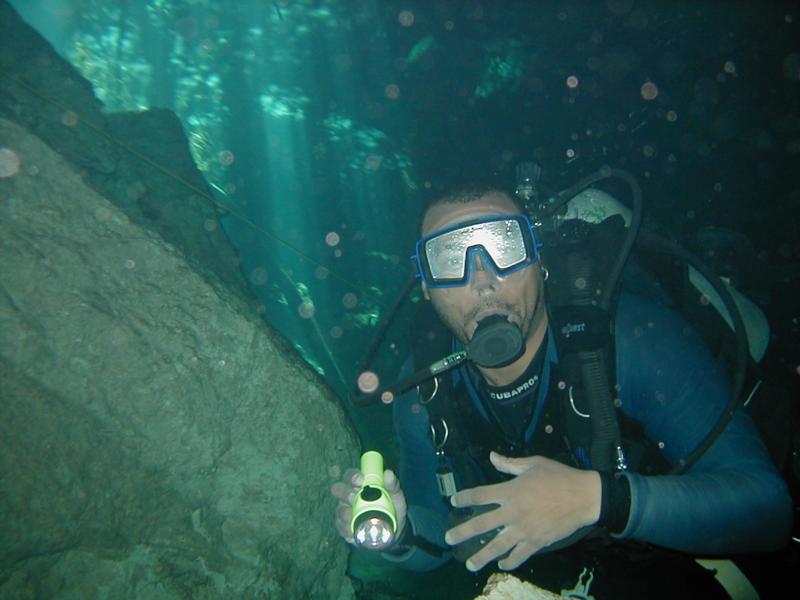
374, 521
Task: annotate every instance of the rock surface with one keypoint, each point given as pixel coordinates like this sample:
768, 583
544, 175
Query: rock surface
503, 586
140, 161
158, 440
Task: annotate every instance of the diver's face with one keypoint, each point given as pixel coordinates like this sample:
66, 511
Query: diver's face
515, 295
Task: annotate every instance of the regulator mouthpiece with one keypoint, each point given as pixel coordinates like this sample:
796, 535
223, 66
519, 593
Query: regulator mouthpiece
496, 343
374, 522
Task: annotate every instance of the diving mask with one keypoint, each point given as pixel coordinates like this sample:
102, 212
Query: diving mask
507, 243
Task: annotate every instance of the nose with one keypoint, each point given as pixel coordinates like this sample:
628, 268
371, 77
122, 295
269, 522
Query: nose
482, 275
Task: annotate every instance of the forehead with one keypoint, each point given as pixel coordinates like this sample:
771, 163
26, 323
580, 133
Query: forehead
448, 213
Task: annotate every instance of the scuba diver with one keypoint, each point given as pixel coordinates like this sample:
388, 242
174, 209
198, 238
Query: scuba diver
567, 409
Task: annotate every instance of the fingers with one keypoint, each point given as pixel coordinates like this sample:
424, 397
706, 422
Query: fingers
496, 548
483, 523
513, 466
390, 481
344, 513
477, 496
521, 552
345, 489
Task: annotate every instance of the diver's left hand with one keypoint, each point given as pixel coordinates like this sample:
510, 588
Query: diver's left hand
546, 502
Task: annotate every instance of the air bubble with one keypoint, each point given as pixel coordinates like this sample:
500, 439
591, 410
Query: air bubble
226, 158
572, 82
349, 300
332, 239
649, 90
406, 18
69, 118
258, 276
9, 162
392, 91
368, 382
306, 310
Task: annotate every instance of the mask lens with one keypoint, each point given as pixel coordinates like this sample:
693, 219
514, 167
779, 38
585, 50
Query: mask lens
503, 241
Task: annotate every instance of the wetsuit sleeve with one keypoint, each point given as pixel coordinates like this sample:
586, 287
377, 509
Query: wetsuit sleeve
732, 500
427, 511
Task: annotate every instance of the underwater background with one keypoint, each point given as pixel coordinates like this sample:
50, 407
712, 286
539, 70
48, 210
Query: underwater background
321, 126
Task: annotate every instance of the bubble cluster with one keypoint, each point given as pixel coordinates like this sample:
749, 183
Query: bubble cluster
9, 162
368, 382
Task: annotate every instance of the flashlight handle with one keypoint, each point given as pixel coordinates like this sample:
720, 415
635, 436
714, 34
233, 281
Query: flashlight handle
372, 468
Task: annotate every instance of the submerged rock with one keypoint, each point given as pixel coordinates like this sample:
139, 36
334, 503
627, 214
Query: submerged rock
503, 586
158, 440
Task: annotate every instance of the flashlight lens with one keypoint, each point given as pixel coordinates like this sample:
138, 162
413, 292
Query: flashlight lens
374, 533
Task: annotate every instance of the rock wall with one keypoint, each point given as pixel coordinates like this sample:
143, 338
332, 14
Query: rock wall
140, 161
157, 440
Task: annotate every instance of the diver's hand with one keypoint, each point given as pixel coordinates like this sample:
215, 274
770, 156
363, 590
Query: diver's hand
345, 491
546, 502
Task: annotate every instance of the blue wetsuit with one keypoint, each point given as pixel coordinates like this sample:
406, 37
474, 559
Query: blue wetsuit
732, 500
